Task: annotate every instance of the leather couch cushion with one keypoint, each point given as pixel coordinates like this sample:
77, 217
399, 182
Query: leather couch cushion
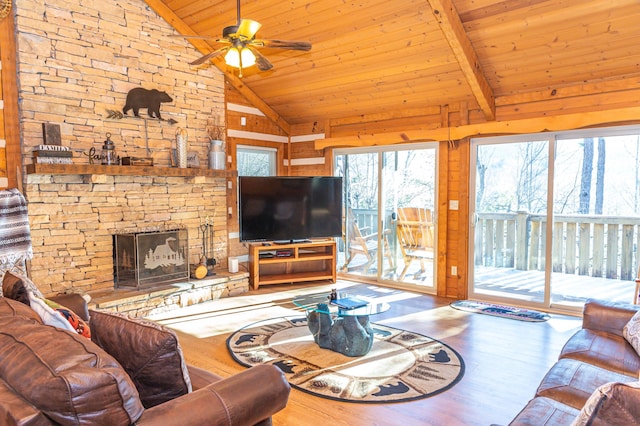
14, 410
606, 350
571, 382
542, 411
75, 302
13, 308
65, 375
612, 404
149, 352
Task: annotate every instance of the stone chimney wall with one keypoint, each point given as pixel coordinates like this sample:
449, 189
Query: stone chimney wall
73, 219
76, 63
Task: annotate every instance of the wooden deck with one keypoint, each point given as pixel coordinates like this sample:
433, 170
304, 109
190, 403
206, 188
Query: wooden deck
528, 286
565, 288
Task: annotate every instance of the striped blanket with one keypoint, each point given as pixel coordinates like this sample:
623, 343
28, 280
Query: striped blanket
15, 236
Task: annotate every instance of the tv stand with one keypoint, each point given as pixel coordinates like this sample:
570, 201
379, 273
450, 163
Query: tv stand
283, 242
308, 261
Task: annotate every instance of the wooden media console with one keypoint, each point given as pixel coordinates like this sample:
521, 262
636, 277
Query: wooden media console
271, 263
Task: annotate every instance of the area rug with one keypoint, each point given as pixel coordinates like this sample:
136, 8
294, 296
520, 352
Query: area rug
500, 310
401, 366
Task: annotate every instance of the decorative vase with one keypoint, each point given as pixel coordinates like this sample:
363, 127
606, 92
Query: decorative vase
217, 155
181, 148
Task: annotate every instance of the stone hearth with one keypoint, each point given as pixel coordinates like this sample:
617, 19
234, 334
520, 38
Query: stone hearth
167, 297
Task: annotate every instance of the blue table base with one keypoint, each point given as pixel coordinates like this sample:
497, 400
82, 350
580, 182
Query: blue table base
348, 335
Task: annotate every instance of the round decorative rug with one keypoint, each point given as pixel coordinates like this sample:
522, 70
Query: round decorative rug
401, 366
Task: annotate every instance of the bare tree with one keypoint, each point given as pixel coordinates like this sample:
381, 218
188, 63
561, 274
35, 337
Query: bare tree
587, 171
532, 177
600, 176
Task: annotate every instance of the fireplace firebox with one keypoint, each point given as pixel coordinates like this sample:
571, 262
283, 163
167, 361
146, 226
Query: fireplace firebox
146, 259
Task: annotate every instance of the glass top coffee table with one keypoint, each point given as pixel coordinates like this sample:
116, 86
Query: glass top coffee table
347, 331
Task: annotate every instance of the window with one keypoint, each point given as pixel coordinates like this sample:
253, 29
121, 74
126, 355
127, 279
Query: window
256, 161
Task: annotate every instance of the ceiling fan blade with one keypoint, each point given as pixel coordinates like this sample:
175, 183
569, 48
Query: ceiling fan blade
283, 44
198, 37
262, 63
209, 56
248, 28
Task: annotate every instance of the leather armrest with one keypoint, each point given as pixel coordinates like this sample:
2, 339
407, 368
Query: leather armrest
75, 302
246, 398
609, 317
201, 378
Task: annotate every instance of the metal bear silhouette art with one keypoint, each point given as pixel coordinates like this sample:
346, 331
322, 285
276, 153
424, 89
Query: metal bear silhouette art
142, 98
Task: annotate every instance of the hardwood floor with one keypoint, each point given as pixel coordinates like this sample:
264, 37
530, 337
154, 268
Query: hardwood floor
505, 359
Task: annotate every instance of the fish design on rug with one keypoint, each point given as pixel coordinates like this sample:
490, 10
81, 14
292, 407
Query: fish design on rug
391, 389
442, 356
246, 338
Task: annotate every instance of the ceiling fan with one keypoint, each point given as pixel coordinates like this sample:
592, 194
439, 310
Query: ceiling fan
240, 50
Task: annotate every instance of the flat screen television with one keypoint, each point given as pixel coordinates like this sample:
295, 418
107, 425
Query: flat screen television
290, 209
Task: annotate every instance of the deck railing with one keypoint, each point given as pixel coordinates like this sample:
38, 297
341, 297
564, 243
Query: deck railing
597, 246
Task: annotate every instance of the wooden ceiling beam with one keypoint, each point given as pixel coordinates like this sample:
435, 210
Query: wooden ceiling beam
453, 30
203, 47
508, 127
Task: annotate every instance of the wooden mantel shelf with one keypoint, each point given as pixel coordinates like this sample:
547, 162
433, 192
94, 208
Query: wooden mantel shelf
96, 169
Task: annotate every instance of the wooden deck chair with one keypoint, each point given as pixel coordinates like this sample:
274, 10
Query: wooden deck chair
360, 240
415, 228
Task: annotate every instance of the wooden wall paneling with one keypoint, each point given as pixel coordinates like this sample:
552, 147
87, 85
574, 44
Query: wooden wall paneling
464, 188
442, 258
12, 160
452, 221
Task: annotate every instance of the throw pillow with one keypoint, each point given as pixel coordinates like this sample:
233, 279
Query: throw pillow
77, 323
631, 332
23, 290
17, 288
149, 353
56, 315
611, 403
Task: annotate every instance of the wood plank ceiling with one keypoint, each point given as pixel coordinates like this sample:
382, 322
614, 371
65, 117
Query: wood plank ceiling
412, 57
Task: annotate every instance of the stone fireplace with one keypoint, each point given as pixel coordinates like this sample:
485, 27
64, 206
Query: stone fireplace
75, 212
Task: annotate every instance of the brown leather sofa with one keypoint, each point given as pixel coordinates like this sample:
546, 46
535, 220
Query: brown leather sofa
595, 355
130, 372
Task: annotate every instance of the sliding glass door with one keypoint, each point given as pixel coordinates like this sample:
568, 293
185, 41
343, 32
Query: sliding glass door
511, 186
390, 204
586, 185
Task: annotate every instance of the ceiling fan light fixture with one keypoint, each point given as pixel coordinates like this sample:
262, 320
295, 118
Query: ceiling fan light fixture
233, 56
248, 28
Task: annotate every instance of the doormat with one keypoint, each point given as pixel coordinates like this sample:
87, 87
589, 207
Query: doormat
500, 310
401, 366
